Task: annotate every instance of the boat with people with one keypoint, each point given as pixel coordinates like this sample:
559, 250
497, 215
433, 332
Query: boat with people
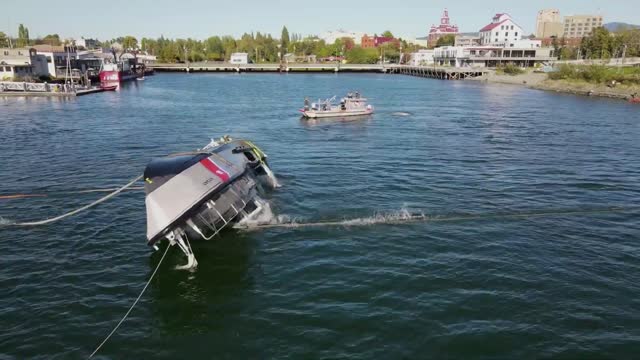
117, 71
351, 105
194, 195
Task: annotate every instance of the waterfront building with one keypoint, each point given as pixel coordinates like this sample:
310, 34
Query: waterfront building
548, 24
21, 62
422, 57
57, 58
330, 37
368, 42
239, 58
468, 39
579, 26
419, 41
445, 28
491, 56
502, 30
87, 44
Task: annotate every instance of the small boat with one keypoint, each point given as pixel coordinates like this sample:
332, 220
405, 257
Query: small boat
109, 87
195, 195
634, 100
351, 105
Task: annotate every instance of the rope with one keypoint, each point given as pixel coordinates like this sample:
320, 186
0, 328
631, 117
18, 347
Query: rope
49, 194
70, 213
132, 305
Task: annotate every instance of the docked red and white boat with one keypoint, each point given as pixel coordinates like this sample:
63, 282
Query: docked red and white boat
113, 73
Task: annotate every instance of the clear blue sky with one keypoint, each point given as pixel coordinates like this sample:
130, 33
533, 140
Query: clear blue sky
202, 18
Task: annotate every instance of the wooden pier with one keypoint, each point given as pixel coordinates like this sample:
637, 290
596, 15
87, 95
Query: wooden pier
272, 68
443, 73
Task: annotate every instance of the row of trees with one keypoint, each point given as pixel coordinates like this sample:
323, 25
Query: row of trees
601, 44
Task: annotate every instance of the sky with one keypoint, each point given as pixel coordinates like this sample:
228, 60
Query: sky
200, 19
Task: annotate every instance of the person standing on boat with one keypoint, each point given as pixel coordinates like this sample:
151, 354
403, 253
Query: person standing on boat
306, 103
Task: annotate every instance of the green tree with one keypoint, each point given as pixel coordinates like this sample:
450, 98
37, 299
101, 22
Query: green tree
4, 41
23, 36
388, 34
129, 43
51, 39
284, 40
598, 45
358, 55
446, 40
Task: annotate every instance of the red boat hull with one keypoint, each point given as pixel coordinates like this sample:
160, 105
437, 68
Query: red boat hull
115, 77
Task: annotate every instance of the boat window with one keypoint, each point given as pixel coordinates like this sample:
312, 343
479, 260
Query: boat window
249, 155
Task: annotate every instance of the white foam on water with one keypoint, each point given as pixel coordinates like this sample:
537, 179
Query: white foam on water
400, 113
5, 222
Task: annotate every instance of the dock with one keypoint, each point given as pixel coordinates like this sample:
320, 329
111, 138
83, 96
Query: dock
9, 88
443, 73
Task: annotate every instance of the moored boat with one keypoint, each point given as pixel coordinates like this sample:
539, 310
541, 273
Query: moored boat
351, 105
195, 195
115, 72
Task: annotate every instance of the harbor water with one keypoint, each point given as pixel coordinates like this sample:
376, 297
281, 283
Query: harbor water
517, 256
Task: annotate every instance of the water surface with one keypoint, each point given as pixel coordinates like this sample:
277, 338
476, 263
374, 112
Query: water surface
555, 286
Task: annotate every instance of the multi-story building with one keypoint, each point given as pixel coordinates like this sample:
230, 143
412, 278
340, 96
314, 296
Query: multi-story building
468, 39
491, 56
88, 44
21, 62
579, 26
422, 58
548, 24
57, 58
445, 28
374, 41
502, 30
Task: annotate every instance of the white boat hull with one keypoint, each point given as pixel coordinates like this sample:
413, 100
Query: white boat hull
331, 113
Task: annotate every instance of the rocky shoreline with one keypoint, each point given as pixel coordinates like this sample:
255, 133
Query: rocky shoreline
540, 81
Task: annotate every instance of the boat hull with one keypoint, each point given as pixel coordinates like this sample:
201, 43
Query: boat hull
331, 114
115, 77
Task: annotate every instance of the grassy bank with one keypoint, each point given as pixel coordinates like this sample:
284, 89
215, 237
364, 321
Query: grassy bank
597, 74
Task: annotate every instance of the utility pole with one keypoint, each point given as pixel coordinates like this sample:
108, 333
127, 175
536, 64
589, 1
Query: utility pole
624, 53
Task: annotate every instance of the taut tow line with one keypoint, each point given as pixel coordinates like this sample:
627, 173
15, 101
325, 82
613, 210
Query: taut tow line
71, 213
132, 305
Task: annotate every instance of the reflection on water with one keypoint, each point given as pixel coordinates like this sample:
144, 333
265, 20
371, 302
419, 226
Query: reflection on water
364, 119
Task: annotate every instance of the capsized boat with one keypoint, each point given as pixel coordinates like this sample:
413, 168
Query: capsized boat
195, 195
351, 105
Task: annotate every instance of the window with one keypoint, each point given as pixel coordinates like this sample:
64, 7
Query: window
496, 40
497, 33
516, 35
506, 34
511, 27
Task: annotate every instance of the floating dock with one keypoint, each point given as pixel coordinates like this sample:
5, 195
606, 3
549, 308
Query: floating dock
442, 73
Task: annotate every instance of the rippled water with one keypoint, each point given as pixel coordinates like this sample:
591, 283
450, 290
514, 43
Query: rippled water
563, 285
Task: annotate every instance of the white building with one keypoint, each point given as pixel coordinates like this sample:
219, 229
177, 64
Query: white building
491, 56
239, 58
501, 30
57, 58
330, 37
422, 58
21, 62
87, 44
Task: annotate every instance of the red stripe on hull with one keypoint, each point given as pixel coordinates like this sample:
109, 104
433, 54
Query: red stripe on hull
215, 169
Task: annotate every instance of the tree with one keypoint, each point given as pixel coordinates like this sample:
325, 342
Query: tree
4, 41
387, 33
598, 45
23, 36
129, 43
446, 40
348, 43
358, 55
284, 40
51, 39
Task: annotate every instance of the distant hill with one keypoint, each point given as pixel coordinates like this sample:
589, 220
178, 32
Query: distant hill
615, 26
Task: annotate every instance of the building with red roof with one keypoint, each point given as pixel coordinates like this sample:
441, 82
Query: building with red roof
445, 28
501, 31
374, 41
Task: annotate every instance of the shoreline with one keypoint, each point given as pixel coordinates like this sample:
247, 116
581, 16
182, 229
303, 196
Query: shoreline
540, 81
